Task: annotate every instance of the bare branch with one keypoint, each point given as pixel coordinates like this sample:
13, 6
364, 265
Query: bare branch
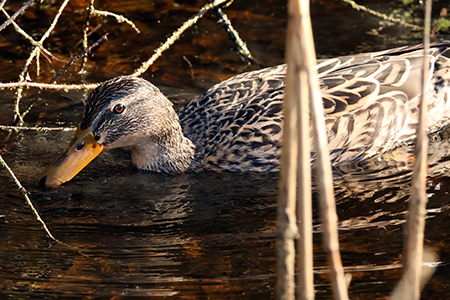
119, 18
29, 38
176, 35
45, 129
381, 16
234, 35
49, 86
16, 14
17, 115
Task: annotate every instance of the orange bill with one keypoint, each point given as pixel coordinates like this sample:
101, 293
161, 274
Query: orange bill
81, 151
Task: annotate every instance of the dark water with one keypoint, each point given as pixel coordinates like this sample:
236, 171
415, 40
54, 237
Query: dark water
193, 236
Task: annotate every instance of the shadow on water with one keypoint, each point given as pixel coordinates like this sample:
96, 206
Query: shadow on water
202, 235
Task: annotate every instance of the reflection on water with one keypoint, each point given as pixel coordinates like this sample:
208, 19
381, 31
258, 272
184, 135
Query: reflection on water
202, 235
206, 234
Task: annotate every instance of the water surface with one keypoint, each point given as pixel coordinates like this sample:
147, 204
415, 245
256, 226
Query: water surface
193, 236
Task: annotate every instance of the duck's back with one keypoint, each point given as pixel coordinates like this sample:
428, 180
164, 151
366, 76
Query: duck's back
370, 103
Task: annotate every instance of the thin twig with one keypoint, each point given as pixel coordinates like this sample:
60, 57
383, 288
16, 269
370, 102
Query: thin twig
175, 36
190, 66
119, 18
17, 115
81, 41
380, 15
233, 34
85, 32
286, 218
66, 87
25, 195
16, 14
64, 69
45, 129
3, 4
29, 38
84, 53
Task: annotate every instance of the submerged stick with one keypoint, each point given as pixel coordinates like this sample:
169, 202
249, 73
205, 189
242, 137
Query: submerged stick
233, 34
25, 195
380, 15
84, 53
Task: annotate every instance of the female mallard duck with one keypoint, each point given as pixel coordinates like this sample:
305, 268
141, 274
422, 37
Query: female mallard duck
370, 103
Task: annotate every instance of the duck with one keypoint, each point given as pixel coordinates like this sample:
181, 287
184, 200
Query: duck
370, 102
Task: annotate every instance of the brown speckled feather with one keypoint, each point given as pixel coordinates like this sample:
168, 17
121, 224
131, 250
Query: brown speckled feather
235, 125
370, 102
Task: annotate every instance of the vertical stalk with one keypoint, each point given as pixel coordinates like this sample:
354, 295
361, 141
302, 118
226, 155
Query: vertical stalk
286, 205
324, 175
297, 89
417, 205
287, 193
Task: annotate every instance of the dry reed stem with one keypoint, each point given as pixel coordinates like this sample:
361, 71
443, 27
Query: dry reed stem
403, 289
417, 205
327, 204
297, 89
286, 218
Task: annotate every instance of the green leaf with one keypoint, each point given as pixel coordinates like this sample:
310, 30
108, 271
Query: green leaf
442, 23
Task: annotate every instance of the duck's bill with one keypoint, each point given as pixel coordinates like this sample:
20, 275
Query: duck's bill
81, 151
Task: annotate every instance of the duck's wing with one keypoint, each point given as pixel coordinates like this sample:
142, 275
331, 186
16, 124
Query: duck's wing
373, 107
237, 124
370, 103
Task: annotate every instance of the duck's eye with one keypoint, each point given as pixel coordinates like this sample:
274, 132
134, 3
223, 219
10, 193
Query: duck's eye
80, 146
96, 136
119, 108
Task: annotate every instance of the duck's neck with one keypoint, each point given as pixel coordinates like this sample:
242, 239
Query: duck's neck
173, 153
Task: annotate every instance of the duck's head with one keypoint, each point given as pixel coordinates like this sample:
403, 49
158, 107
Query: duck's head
119, 113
